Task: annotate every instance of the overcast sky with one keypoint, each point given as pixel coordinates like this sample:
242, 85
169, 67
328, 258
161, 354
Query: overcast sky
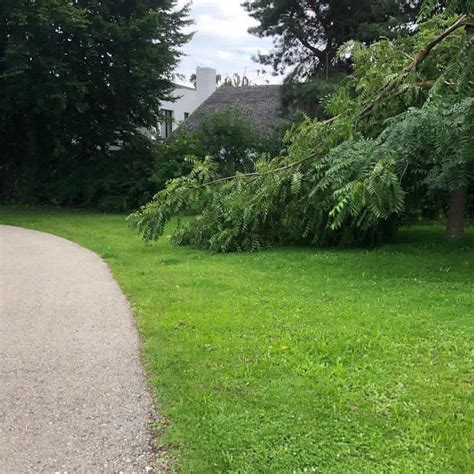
221, 41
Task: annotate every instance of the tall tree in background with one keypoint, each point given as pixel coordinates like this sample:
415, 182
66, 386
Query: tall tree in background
308, 33
77, 79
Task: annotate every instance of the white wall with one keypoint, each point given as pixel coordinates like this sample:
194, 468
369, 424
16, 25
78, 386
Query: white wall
185, 103
188, 98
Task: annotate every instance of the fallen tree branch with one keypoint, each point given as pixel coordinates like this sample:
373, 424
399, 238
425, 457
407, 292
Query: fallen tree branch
464, 20
419, 58
402, 89
257, 174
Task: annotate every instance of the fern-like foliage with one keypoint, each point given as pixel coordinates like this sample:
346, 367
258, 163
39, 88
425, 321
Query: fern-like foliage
345, 181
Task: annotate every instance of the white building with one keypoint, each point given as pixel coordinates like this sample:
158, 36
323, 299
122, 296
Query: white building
188, 99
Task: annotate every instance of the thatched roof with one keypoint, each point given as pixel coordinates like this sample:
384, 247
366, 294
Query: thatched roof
260, 104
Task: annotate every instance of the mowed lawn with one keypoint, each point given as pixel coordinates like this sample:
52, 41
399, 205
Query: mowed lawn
300, 359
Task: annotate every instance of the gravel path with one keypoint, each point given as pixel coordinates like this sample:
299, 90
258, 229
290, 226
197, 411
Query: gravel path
72, 391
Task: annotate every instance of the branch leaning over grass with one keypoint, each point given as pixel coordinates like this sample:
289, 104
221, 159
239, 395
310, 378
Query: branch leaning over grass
419, 58
464, 20
257, 174
367, 110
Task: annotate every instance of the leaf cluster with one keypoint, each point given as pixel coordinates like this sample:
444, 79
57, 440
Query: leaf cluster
347, 180
77, 80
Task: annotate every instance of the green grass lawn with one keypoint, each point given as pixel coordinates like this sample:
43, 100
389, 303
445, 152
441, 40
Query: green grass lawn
300, 359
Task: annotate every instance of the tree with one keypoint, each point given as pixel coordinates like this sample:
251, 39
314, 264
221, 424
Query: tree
236, 80
308, 33
77, 80
401, 128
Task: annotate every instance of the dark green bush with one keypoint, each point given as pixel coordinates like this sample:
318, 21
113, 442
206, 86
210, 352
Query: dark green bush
225, 135
114, 179
127, 177
231, 140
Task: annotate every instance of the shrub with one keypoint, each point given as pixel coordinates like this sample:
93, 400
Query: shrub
113, 179
225, 135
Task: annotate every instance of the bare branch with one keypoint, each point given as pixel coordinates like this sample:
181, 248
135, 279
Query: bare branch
256, 174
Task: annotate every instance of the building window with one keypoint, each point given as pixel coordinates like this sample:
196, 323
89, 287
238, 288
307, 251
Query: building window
186, 115
167, 127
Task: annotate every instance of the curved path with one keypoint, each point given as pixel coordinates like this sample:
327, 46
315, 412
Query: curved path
72, 392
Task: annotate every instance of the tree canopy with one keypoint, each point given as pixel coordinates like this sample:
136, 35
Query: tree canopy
77, 80
400, 134
307, 34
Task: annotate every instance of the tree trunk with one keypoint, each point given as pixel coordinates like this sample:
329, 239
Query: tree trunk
456, 212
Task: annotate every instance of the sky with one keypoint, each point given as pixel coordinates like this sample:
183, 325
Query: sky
221, 41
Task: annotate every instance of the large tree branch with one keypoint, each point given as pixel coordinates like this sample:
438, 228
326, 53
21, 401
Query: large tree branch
418, 59
298, 34
464, 20
257, 174
402, 89
297, 68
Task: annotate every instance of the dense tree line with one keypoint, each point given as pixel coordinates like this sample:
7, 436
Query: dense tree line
78, 80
